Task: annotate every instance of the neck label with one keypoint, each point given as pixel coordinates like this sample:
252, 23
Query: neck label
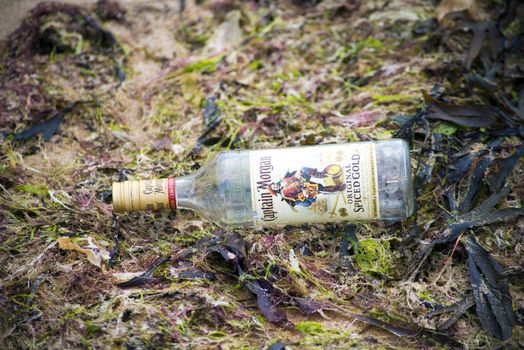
155, 194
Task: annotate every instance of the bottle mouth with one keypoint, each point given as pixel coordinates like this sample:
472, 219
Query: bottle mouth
125, 196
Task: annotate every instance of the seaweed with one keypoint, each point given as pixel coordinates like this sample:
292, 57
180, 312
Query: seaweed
457, 310
105, 196
64, 35
107, 39
475, 181
317, 73
491, 292
211, 119
28, 40
24, 42
110, 10
310, 307
195, 274
145, 278
46, 128
505, 166
492, 301
114, 251
483, 214
232, 248
266, 300
476, 116
50, 126
349, 239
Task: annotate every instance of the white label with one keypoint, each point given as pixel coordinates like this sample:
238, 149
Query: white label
314, 184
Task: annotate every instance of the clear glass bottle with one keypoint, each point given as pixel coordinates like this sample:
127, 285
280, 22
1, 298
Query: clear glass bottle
252, 188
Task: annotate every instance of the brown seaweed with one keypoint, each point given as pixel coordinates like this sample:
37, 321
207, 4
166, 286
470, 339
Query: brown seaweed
492, 299
50, 126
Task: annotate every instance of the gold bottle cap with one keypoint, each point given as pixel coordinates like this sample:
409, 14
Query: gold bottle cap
153, 194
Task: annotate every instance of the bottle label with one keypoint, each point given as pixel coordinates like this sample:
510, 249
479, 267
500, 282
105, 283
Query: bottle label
314, 184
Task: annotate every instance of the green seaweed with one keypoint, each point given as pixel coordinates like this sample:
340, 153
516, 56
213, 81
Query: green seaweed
373, 256
208, 65
310, 328
37, 190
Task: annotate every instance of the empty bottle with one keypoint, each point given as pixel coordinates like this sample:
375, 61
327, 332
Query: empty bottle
359, 181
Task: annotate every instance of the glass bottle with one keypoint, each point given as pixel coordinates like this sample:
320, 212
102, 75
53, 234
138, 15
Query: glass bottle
358, 181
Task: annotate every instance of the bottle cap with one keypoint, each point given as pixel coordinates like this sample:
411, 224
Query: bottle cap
153, 194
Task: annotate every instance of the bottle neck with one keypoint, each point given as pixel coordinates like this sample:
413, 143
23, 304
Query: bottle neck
185, 192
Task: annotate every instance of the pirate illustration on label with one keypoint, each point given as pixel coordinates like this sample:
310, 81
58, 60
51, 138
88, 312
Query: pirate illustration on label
298, 188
